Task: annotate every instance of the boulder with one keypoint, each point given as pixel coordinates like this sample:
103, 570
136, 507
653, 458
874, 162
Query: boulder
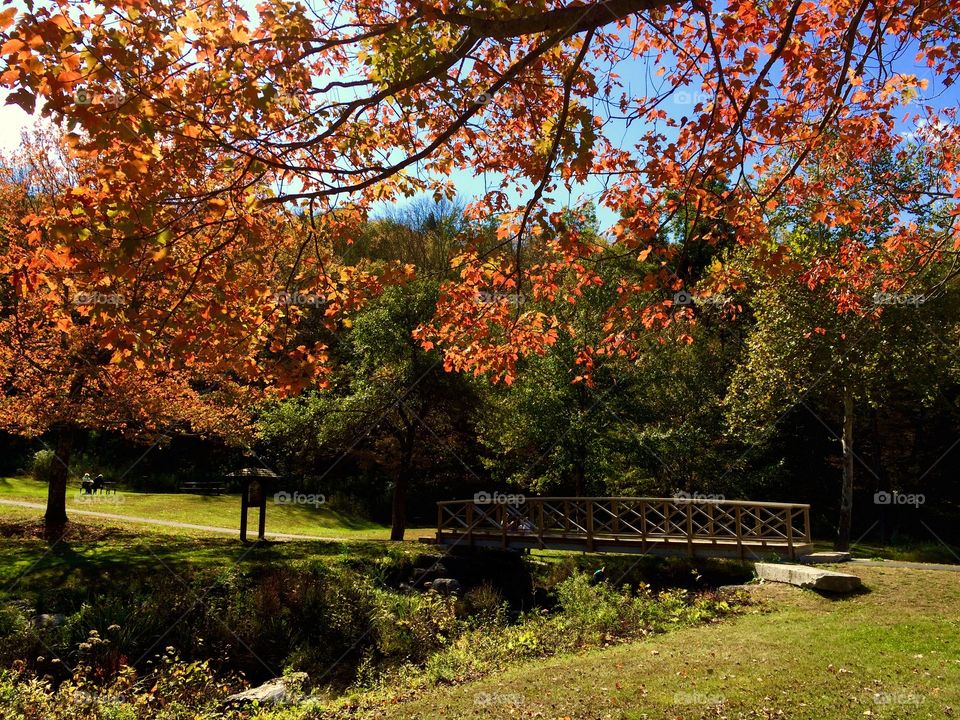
279, 691
808, 577
444, 586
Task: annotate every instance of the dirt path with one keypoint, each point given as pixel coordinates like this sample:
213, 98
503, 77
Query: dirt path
169, 523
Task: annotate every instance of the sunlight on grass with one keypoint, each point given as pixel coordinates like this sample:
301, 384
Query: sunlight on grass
220, 511
889, 653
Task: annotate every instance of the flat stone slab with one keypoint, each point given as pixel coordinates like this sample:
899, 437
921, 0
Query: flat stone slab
279, 691
808, 577
824, 557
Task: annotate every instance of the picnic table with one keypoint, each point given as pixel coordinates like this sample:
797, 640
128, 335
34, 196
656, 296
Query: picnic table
203, 487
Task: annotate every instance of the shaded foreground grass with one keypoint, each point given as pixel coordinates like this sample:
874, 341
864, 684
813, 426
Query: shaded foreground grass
212, 510
893, 652
31, 567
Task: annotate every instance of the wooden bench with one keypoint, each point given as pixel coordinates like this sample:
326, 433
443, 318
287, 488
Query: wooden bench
103, 488
203, 487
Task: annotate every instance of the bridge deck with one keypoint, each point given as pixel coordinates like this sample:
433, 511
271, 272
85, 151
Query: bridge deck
655, 526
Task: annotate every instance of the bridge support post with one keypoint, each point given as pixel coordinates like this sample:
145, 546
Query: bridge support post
503, 523
739, 532
540, 524
470, 524
793, 552
590, 541
643, 525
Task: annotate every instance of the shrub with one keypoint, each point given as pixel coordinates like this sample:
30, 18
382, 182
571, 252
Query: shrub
43, 464
484, 606
338, 621
413, 627
176, 691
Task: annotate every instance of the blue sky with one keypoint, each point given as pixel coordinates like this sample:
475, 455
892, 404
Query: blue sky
636, 75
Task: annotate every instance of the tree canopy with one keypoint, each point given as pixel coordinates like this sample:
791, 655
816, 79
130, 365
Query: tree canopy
204, 119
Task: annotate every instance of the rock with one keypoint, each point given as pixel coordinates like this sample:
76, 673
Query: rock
444, 586
48, 620
279, 691
433, 572
808, 577
832, 556
733, 588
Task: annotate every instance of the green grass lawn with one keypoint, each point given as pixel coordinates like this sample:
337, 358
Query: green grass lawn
893, 652
909, 551
30, 567
211, 510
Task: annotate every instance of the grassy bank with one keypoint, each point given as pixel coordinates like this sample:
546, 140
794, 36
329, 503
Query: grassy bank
221, 511
893, 652
107, 614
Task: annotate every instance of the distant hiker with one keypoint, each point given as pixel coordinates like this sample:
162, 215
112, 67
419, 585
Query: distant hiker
86, 484
599, 576
99, 483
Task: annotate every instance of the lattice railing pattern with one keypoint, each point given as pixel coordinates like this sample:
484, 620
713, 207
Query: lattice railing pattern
613, 519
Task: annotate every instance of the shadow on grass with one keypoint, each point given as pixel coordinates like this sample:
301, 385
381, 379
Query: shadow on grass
841, 597
908, 552
71, 572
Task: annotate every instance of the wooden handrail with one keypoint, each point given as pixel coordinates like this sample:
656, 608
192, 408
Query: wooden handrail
678, 500
610, 522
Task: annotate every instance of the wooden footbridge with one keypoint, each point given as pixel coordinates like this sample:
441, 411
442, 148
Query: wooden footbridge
656, 526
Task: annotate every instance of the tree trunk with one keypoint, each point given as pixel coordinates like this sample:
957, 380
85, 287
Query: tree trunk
579, 477
398, 515
55, 519
398, 519
846, 494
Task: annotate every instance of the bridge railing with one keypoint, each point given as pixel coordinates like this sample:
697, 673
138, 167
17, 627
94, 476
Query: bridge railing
677, 525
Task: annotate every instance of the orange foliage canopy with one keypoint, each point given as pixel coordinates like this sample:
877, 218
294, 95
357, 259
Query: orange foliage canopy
122, 311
